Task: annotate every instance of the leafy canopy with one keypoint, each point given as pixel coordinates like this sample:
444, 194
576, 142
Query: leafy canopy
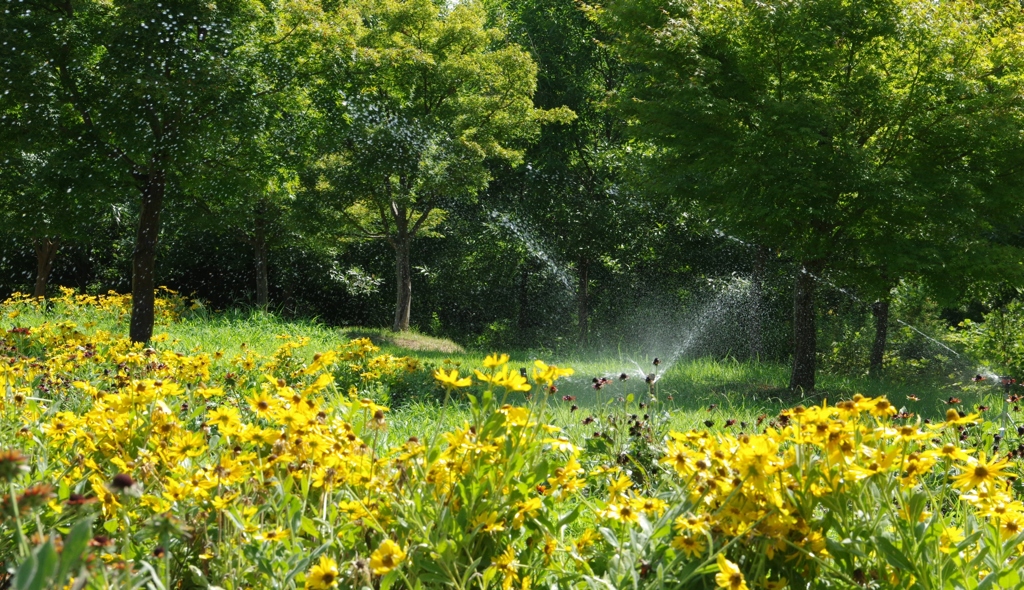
832, 129
429, 95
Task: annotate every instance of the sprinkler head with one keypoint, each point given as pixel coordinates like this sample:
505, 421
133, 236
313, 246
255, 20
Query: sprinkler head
657, 361
623, 377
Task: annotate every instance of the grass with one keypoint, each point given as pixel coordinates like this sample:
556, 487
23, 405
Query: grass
691, 390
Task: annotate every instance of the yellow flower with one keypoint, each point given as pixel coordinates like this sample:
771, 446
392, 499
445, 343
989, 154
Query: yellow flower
223, 502
510, 380
690, 545
526, 508
688, 523
561, 444
950, 538
950, 451
729, 576
979, 473
321, 382
623, 512
515, 415
208, 392
1010, 526
881, 408
261, 403
451, 380
321, 361
953, 418
547, 374
506, 564
271, 536
323, 575
489, 522
621, 485
386, 558
493, 360
226, 418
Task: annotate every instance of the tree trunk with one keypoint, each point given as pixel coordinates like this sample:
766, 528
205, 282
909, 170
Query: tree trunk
259, 244
757, 303
46, 251
880, 309
144, 257
583, 299
805, 337
403, 276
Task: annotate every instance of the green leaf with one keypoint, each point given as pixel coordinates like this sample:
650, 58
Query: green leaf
988, 581
609, 535
597, 445
309, 527
894, 556
569, 517
75, 545
388, 580
39, 569
198, 577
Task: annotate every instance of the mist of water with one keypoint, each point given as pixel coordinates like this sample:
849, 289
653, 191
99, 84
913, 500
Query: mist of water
536, 248
720, 317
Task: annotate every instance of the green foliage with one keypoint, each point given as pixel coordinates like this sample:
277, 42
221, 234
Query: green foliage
998, 340
919, 345
876, 139
823, 129
879, 140
429, 97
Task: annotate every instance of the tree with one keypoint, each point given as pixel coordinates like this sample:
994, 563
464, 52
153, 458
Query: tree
50, 194
250, 191
432, 94
146, 86
49, 212
253, 208
573, 178
814, 126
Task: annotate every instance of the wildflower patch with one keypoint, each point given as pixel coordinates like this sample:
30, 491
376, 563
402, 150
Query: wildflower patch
129, 466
